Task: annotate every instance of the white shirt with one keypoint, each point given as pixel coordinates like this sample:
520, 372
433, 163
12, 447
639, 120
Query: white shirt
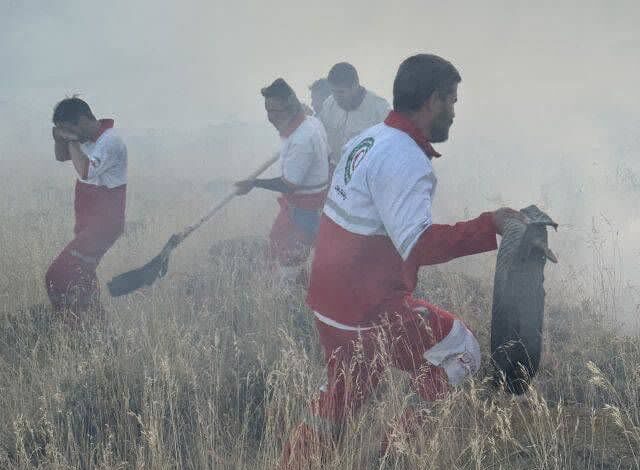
304, 157
343, 125
107, 160
383, 185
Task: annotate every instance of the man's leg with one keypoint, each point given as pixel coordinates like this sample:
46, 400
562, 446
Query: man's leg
60, 276
436, 349
353, 372
289, 247
72, 283
434, 346
71, 280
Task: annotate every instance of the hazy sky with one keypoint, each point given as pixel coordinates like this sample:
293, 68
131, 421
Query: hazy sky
157, 64
548, 90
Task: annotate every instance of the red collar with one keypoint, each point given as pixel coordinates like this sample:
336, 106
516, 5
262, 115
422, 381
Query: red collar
104, 125
400, 122
295, 123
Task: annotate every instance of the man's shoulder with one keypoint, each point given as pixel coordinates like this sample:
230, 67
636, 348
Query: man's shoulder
312, 122
390, 137
111, 136
112, 141
329, 109
311, 128
375, 100
397, 149
372, 143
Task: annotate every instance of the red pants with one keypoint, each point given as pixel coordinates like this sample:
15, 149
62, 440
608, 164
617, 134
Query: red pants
292, 236
71, 280
417, 330
429, 343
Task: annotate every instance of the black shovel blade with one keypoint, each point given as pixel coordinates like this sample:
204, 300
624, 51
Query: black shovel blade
130, 281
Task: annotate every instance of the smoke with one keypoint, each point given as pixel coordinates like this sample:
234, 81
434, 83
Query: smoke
547, 113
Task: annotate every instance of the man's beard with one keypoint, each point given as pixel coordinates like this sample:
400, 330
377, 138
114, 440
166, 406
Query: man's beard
440, 129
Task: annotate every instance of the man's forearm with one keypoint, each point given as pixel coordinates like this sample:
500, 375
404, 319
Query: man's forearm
273, 184
442, 243
79, 159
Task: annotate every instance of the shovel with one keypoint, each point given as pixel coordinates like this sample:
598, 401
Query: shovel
156, 268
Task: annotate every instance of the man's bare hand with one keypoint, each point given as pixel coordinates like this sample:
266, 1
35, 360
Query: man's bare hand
501, 216
243, 187
63, 135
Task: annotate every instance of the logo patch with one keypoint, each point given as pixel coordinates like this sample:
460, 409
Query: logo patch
356, 156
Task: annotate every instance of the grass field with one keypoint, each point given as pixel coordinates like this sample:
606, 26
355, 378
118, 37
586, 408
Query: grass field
212, 366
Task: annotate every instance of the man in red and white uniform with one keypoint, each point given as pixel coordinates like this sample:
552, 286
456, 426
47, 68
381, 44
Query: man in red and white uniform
375, 232
303, 181
99, 157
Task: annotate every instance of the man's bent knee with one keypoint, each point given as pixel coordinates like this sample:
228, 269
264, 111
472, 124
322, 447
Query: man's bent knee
458, 353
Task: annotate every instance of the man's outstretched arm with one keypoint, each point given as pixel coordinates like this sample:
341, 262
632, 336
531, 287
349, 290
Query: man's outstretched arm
272, 184
441, 243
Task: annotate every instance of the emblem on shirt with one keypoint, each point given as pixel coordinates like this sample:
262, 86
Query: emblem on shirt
356, 156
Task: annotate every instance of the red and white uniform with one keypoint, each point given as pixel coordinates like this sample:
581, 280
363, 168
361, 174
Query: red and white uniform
375, 232
303, 163
71, 280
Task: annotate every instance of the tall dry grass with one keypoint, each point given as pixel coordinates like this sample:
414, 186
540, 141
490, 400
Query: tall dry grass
211, 367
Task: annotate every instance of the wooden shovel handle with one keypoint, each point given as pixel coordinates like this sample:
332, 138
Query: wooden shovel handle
191, 228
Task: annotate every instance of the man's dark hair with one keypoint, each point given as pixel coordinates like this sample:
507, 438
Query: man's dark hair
321, 86
419, 77
281, 90
343, 74
70, 110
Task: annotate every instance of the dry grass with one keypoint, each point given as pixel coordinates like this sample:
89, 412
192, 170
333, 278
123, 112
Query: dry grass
212, 366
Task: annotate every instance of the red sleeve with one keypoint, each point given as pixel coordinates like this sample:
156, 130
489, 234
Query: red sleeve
442, 243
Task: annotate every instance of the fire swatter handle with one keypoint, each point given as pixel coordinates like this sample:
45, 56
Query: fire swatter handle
214, 210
